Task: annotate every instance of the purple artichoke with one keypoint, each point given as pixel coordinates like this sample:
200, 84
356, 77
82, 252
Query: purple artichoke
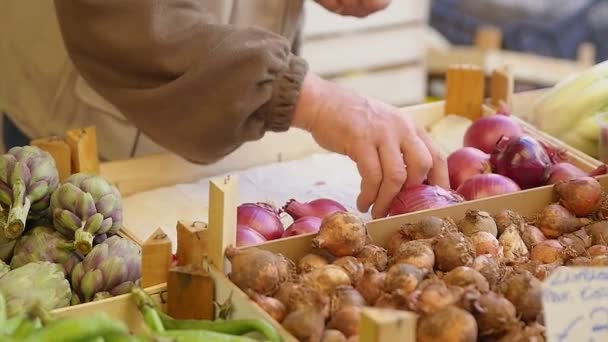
28, 177
84, 207
45, 244
112, 266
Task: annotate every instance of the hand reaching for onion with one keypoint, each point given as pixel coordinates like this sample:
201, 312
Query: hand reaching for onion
389, 150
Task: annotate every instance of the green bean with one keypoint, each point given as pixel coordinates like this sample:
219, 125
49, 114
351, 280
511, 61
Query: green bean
78, 329
203, 336
124, 338
12, 324
152, 319
26, 328
234, 327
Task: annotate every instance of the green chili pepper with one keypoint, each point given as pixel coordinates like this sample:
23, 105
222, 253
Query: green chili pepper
202, 336
233, 327
78, 329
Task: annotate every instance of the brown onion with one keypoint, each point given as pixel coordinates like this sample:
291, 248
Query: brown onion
524, 291
310, 262
598, 232
579, 261
576, 243
259, 270
345, 296
597, 250
371, 285
396, 301
581, 196
489, 267
555, 220
451, 324
403, 277
477, 221
352, 266
418, 253
466, 277
453, 250
547, 252
532, 236
531, 333
542, 272
428, 227
514, 247
333, 335
326, 279
507, 218
485, 243
341, 234
272, 306
494, 314
305, 324
396, 240
432, 297
346, 320
297, 296
374, 255
601, 260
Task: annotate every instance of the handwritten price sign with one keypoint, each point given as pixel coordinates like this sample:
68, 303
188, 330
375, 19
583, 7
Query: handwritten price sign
575, 301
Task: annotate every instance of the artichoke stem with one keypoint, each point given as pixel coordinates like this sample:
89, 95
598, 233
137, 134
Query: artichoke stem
83, 241
17, 217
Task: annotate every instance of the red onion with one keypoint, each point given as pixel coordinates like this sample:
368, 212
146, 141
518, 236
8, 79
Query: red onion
465, 163
486, 185
320, 208
421, 197
565, 171
522, 159
262, 218
246, 236
303, 225
484, 133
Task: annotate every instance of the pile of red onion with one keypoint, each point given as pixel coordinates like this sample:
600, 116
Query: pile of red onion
261, 222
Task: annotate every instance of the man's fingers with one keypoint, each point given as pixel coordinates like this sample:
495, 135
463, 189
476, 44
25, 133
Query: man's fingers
417, 158
438, 174
393, 177
368, 164
374, 5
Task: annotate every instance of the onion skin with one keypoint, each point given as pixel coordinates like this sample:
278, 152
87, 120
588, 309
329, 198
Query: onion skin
506, 218
578, 261
341, 234
305, 324
333, 335
599, 261
259, 270
346, 296
598, 232
422, 197
532, 236
575, 244
353, 267
453, 250
524, 291
494, 313
397, 300
597, 250
451, 324
326, 279
262, 218
403, 277
487, 185
311, 262
514, 247
297, 296
524, 160
272, 306
581, 196
426, 228
396, 240
432, 297
346, 320
374, 255
485, 243
477, 221
563, 172
485, 132
303, 225
246, 236
466, 277
547, 252
465, 163
417, 253
489, 267
320, 208
370, 286
555, 220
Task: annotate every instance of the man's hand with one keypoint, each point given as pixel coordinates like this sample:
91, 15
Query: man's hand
355, 8
387, 147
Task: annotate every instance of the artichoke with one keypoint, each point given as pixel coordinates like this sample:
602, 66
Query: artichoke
4, 268
39, 283
28, 177
6, 245
112, 266
85, 206
45, 244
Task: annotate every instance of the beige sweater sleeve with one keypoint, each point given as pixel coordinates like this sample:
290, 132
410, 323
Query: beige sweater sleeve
197, 88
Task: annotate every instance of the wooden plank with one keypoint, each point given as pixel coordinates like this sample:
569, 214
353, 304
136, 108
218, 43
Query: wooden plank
192, 242
61, 152
501, 88
365, 50
320, 22
465, 91
399, 86
586, 54
83, 143
488, 37
190, 293
387, 325
223, 201
156, 259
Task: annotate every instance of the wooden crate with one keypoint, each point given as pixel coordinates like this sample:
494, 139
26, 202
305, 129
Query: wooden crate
381, 56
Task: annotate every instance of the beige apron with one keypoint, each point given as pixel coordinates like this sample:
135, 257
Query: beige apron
44, 95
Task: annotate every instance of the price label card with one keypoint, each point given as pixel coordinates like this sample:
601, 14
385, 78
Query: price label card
575, 302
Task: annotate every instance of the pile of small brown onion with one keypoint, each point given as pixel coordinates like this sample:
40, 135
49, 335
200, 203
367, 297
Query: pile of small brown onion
476, 278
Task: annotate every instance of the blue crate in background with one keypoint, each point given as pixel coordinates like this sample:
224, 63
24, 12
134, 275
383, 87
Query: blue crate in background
546, 27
